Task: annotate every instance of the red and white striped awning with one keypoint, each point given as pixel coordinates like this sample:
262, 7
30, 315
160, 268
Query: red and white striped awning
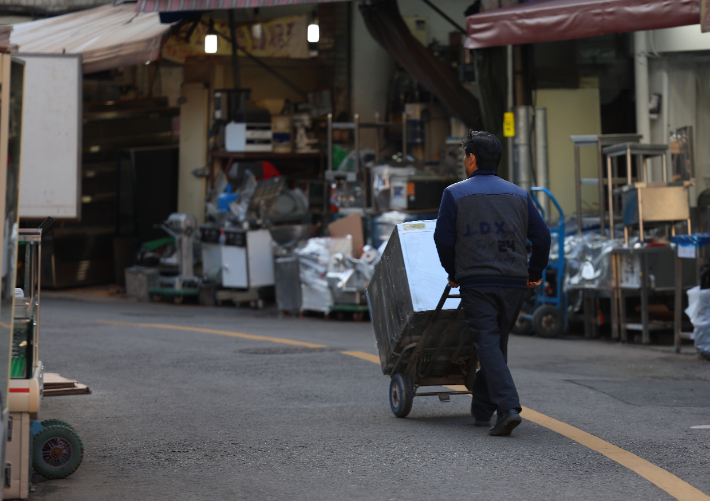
189, 5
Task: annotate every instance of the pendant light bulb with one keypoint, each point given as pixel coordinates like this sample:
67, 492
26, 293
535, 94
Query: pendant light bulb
313, 33
210, 44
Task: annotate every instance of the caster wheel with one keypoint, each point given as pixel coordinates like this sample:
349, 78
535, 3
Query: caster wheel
177, 299
57, 451
401, 395
547, 321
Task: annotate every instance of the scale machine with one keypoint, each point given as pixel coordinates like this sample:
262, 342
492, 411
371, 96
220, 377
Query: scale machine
53, 448
177, 278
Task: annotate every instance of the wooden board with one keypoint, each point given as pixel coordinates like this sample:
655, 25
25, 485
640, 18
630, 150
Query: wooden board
56, 385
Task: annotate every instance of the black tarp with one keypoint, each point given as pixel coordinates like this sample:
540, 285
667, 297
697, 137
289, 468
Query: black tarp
386, 25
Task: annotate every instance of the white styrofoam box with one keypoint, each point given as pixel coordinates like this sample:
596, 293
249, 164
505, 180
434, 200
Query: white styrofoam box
427, 278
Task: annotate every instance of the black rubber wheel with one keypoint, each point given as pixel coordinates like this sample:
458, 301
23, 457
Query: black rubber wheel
547, 321
401, 395
57, 451
56, 422
523, 325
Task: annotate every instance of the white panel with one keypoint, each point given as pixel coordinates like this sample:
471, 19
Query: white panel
261, 258
427, 278
234, 267
51, 137
680, 39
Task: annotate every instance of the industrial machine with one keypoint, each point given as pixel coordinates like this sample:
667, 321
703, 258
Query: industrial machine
234, 258
177, 277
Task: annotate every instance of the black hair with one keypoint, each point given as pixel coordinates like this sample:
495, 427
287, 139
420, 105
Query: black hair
485, 147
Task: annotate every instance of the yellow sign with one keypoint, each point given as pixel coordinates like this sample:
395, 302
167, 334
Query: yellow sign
415, 226
705, 16
509, 124
282, 37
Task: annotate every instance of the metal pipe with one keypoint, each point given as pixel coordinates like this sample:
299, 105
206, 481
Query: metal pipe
510, 103
330, 141
377, 137
578, 187
600, 172
404, 135
523, 152
541, 165
357, 147
610, 185
643, 120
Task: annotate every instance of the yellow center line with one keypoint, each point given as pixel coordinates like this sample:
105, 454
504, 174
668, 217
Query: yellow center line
220, 332
679, 489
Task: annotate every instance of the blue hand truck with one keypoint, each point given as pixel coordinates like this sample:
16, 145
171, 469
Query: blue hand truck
547, 315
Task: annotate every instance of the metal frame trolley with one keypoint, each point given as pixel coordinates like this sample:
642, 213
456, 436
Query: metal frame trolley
443, 355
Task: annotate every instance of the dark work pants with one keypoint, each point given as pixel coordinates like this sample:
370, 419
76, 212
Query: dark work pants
490, 314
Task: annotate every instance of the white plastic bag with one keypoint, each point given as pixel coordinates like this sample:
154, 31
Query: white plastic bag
698, 311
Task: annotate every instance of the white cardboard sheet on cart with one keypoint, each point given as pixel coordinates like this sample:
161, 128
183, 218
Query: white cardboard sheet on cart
426, 277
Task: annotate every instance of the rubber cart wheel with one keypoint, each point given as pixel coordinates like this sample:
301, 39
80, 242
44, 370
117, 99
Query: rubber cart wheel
57, 451
56, 422
523, 325
547, 321
401, 395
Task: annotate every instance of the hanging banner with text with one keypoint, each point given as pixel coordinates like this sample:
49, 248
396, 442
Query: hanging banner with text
283, 37
705, 15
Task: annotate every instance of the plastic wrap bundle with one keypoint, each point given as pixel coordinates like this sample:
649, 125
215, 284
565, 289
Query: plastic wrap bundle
698, 311
315, 260
588, 260
405, 289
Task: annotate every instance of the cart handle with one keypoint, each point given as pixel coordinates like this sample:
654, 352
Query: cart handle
550, 195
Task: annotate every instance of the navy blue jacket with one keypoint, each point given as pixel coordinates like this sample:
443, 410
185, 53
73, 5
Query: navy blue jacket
482, 229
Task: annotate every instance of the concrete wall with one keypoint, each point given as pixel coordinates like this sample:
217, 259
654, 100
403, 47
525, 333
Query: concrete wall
571, 112
372, 69
682, 78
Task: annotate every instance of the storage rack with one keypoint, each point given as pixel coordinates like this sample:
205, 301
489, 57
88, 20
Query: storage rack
598, 141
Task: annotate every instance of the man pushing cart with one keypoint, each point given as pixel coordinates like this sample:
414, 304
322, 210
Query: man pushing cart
425, 339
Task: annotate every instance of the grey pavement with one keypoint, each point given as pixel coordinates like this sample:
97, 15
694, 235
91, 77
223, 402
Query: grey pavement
180, 415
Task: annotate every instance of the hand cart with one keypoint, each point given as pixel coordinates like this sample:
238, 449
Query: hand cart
443, 354
548, 316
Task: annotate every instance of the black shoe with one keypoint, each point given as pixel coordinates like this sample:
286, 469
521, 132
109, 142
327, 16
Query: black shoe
505, 423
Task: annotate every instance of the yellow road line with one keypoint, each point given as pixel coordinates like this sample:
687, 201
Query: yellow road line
668, 482
220, 332
365, 356
679, 489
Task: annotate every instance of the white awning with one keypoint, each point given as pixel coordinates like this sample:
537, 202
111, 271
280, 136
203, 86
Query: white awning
106, 37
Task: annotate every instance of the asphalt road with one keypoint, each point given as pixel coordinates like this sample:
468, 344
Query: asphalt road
194, 415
